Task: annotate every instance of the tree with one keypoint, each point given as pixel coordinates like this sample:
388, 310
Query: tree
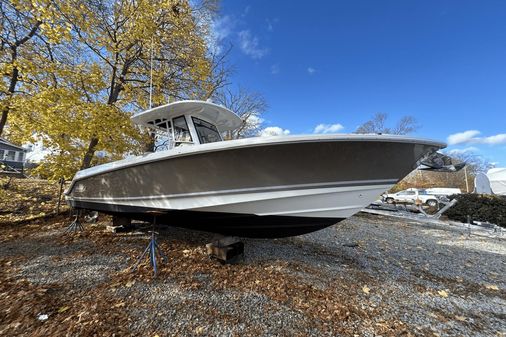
121, 37
474, 162
377, 124
26, 27
89, 85
248, 105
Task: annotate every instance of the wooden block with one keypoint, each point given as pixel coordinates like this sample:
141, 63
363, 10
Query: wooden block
226, 253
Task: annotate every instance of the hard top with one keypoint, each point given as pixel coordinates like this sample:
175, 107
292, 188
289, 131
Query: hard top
216, 114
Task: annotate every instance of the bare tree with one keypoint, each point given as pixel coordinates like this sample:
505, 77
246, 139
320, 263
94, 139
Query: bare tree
248, 105
406, 125
474, 162
377, 124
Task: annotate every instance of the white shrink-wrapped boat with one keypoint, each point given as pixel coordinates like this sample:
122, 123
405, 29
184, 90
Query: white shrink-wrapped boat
497, 178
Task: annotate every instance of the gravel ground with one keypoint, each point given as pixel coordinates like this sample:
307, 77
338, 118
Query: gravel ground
370, 275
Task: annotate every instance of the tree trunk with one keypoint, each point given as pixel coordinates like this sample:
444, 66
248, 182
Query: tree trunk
3, 119
150, 146
113, 97
12, 88
15, 72
89, 153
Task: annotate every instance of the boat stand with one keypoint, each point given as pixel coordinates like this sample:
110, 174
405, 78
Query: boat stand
75, 225
152, 250
227, 250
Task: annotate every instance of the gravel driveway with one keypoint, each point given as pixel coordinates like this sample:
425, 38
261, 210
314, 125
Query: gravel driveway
370, 275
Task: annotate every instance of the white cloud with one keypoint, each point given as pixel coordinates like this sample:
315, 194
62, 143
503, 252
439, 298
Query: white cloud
271, 23
462, 137
275, 69
464, 150
311, 70
273, 131
254, 122
250, 45
221, 28
270, 27
328, 128
493, 140
246, 11
469, 137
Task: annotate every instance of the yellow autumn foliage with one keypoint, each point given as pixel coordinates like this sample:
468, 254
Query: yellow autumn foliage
90, 71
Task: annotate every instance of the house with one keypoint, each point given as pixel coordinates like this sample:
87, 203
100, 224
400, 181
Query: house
12, 157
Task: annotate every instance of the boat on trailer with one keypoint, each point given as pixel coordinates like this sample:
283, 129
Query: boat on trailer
253, 187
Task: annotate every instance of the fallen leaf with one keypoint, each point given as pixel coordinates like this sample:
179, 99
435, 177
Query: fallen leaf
443, 293
129, 284
199, 330
492, 287
63, 309
366, 289
460, 318
14, 325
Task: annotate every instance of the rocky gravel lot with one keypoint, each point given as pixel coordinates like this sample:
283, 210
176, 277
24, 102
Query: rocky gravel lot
370, 275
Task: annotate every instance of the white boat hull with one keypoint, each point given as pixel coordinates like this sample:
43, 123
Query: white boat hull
304, 202
263, 188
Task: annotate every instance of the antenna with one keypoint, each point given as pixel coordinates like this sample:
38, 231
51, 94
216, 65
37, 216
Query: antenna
151, 75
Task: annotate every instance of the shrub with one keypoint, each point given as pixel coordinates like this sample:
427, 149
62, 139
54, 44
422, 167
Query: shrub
480, 207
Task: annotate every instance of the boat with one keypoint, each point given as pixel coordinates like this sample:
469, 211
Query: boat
262, 187
497, 178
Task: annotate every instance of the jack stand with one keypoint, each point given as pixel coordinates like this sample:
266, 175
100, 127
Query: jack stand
76, 224
152, 249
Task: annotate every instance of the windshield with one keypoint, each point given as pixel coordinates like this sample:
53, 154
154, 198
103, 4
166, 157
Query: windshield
181, 131
207, 132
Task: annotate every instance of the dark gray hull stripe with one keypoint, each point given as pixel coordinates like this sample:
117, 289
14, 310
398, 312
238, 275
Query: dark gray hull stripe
243, 144
355, 183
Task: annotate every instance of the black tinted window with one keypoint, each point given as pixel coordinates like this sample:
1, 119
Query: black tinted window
208, 133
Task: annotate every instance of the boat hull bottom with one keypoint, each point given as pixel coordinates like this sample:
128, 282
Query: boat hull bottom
230, 224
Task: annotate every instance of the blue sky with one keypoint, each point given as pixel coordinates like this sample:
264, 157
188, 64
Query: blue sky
337, 63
